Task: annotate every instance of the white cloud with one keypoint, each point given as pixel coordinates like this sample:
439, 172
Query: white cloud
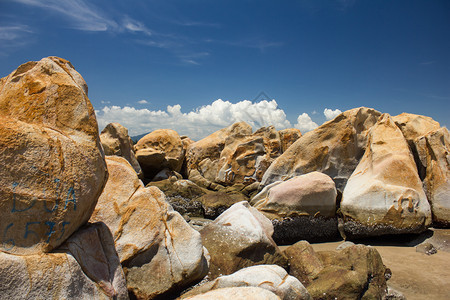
331, 114
197, 123
135, 26
305, 124
142, 101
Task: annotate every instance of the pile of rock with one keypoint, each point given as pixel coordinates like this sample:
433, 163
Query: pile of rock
75, 223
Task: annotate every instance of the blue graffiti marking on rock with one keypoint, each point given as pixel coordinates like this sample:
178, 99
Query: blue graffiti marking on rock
27, 231
50, 230
14, 209
71, 193
63, 229
10, 241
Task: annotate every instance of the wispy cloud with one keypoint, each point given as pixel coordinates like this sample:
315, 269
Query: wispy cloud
14, 36
142, 101
81, 15
135, 26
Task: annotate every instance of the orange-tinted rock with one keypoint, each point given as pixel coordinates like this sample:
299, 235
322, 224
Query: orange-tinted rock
53, 167
234, 154
333, 148
384, 195
116, 141
288, 137
150, 237
434, 153
158, 150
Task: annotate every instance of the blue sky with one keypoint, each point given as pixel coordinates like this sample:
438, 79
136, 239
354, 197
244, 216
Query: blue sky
152, 64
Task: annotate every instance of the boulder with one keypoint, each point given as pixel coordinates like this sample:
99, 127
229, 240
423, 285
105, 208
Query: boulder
288, 137
236, 293
214, 204
158, 150
53, 167
270, 277
433, 150
116, 141
85, 267
356, 272
183, 195
159, 251
384, 195
301, 208
414, 126
334, 148
234, 155
239, 238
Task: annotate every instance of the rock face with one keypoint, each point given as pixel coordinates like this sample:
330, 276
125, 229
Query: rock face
150, 237
239, 238
53, 167
414, 126
288, 137
301, 208
234, 155
384, 195
333, 148
270, 277
356, 272
310, 194
85, 267
158, 150
116, 141
434, 154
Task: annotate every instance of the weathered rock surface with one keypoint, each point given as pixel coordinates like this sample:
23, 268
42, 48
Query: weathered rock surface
384, 195
288, 137
301, 208
356, 272
309, 194
159, 251
270, 277
433, 151
53, 167
234, 154
333, 148
116, 141
85, 267
239, 238
183, 195
237, 293
158, 150
414, 126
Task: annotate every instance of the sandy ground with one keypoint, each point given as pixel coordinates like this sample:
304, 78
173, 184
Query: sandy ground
416, 275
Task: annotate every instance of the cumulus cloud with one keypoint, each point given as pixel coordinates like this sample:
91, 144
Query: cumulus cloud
197, 123
331, 114
305, 124
142, 101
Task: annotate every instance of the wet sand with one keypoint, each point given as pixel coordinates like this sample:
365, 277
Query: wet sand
416, 275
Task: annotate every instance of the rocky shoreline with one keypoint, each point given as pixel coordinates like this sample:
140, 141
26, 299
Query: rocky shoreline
90, 215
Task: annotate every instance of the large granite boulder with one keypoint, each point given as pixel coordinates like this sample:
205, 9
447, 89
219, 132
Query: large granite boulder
159, 251
384, 195
239, 238
270, 277
85, 267
433, 150
53, 168
414, 126
334, 148
116, 141
160, 149
356, 272
233, 155
301, 208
